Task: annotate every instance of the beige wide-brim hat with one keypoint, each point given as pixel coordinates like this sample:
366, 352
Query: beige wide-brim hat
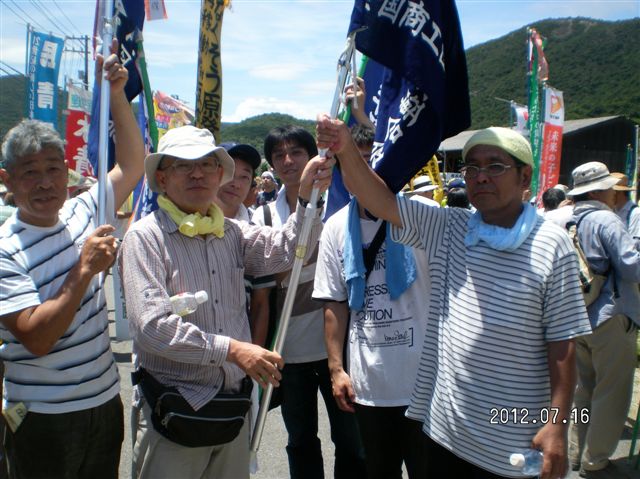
624, 182
592, 176
187, 143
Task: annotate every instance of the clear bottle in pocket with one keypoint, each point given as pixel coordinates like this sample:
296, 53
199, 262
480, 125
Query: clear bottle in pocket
186, 303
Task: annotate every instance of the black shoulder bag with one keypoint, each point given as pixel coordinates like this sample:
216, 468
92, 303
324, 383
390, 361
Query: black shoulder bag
217, 422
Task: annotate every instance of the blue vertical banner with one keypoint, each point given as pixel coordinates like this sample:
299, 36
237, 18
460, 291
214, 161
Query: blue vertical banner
128, 20
424, 97
45, 53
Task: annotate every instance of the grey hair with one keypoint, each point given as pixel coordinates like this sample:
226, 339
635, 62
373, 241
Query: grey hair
27, 138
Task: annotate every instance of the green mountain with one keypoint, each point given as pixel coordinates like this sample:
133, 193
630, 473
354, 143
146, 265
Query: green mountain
253, 130
595, 63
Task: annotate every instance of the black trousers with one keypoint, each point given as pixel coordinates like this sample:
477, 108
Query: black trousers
390, 438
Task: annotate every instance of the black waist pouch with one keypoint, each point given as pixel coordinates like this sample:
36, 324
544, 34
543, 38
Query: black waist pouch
217, 422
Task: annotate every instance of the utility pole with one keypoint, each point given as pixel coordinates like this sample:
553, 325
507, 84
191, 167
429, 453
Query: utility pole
83, 51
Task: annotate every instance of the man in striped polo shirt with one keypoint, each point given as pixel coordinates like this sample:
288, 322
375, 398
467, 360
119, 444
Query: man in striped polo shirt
497, 370
61, 386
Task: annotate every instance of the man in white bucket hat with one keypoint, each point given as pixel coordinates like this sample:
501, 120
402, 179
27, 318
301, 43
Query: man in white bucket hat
607, 357
187, 246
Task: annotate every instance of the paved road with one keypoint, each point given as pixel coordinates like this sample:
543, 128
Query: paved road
272, 460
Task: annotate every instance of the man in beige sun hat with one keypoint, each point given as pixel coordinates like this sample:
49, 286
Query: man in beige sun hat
626, 209
606, 358
187, 246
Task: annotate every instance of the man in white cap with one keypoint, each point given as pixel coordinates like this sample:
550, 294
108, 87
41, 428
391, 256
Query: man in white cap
187, 246
423, 186
626, 209
607, 357
505, 307
269, 191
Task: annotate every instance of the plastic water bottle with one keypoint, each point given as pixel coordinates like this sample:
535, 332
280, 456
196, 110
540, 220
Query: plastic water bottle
186, 303
530, 461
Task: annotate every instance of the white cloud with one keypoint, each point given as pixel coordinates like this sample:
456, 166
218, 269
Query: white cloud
252, 106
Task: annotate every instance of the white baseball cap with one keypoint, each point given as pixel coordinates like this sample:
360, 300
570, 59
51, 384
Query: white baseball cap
187, 143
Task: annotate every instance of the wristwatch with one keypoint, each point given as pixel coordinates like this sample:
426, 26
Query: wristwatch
304, 202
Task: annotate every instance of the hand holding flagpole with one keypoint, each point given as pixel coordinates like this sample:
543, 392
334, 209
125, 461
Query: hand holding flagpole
105, 97
344, 66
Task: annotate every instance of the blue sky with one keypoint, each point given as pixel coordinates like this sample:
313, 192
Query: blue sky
277, 55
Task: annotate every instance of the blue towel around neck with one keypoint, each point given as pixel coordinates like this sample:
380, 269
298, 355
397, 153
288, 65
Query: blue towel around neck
498, 238
400, 262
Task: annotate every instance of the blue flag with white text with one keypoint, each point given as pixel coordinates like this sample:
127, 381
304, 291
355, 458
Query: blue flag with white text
128, 22
44, 55
424, 97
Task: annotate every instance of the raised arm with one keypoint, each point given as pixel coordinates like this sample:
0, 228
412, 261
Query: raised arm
129, 146
362, 181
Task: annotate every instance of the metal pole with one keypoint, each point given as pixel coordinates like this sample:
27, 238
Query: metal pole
103, 143
86, 62
343, 68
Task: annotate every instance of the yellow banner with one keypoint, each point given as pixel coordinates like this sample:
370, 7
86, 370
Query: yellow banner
209, 90
432, 170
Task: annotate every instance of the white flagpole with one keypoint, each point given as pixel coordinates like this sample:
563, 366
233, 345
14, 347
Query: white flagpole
343, 69
105, 95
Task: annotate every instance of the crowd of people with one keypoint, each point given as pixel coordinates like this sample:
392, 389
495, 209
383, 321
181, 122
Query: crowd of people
441, 339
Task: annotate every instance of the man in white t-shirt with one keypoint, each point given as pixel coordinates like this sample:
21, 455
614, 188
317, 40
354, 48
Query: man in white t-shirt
288, 149
497, 370
383, 338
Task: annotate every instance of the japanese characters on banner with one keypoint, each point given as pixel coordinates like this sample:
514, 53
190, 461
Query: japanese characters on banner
551, 139
78, 120
45, 52
209, 89
170, 113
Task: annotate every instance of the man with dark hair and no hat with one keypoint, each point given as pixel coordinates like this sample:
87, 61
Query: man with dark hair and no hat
288, 149
186, 246
607, 357
505, 308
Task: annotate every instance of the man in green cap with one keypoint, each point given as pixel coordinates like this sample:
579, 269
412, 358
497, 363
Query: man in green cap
497, 370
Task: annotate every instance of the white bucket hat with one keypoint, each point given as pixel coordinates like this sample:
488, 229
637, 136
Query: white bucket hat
422, 184
592, 176
187, 143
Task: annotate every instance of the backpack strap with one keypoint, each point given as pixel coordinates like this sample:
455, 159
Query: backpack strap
369, 254
605, 273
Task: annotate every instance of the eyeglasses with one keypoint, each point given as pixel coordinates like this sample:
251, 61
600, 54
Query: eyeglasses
494, 169
207, 166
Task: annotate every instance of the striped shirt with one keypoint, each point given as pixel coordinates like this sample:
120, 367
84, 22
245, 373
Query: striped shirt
157, 262
490, 318
79, 372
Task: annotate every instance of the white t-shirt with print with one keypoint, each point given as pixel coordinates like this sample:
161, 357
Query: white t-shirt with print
385, 338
